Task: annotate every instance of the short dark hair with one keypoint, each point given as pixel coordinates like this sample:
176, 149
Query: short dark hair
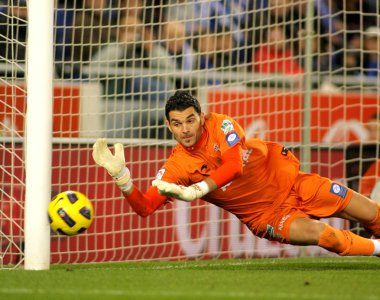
180, 101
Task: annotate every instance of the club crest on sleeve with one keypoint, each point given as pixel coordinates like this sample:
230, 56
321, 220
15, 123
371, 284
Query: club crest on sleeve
338, 190
227, 126
160, 173
232, 138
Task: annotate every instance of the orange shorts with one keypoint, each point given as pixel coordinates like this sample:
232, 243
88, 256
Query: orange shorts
312, 196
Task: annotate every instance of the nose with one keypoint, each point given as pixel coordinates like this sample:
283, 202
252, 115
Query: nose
185, 128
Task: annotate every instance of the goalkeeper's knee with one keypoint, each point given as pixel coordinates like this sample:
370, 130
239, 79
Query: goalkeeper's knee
373, 227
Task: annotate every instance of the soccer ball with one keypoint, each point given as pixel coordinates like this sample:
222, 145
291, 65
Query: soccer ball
70, 213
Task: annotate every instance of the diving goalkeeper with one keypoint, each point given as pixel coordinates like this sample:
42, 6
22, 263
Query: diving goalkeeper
258, 181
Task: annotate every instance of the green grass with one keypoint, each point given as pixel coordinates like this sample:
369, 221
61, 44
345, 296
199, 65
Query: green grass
295, 278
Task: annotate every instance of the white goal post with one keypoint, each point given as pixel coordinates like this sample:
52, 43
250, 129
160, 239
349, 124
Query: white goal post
38, 139
303, 73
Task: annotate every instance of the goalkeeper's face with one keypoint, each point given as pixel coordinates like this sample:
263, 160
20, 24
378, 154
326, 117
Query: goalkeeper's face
186, 125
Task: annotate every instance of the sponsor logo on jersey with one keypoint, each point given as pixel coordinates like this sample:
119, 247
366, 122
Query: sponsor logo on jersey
338, 190
216, 148
160, 173
232, 138
284, 151
227, 126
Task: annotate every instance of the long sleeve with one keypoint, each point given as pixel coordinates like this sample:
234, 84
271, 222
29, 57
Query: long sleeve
231, 168
147, 203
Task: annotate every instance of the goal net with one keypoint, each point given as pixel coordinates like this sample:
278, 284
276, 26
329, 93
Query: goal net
303, 73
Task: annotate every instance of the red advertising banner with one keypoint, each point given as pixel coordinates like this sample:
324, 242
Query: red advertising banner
278, 115
66, 115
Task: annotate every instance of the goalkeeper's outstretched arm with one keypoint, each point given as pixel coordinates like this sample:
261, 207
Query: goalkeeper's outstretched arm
161, 191
143, 204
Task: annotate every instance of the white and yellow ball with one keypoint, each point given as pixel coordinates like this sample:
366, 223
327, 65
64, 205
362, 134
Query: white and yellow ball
70, 213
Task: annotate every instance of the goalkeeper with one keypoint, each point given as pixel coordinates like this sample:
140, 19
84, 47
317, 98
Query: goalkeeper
258, 181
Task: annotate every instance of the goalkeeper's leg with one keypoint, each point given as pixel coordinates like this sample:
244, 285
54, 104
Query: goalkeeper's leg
344, 242
373, 226
365, 211
305, 231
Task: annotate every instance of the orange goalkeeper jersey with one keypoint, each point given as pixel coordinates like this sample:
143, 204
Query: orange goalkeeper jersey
269, 169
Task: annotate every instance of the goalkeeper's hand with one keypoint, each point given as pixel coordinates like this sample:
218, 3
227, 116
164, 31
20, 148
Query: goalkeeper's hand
186, 193
113, 163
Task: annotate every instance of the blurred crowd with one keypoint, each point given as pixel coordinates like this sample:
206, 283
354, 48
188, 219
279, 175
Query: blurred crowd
143, 49
179, 35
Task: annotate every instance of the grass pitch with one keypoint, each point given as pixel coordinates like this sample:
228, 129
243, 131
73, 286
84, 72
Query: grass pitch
291, 278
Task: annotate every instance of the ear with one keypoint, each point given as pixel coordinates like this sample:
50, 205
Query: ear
202, 116
168, 126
